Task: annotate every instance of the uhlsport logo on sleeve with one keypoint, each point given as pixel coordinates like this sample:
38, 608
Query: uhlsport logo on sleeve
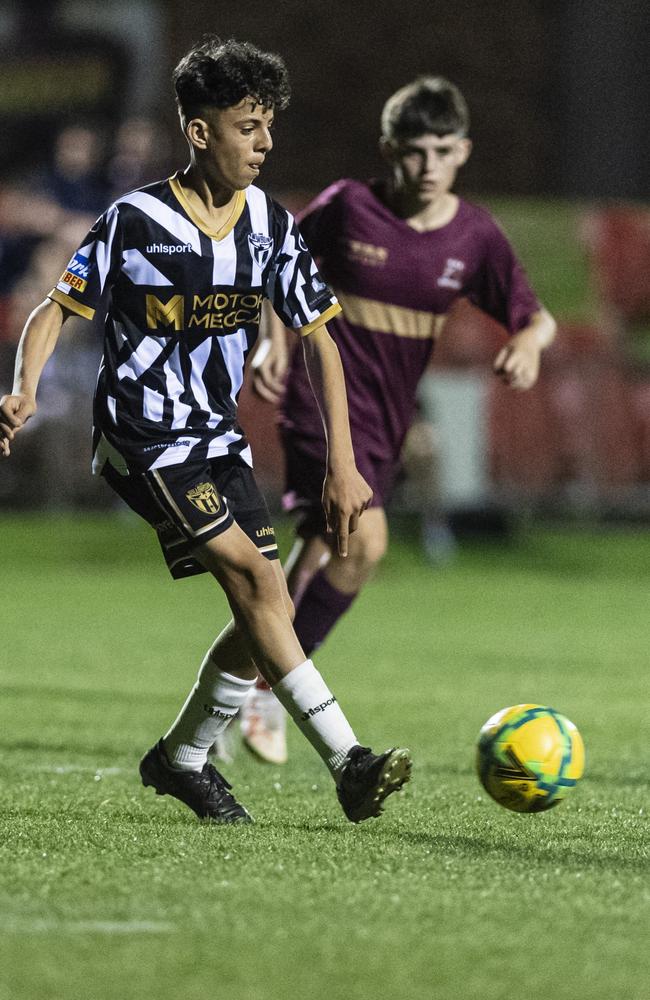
260, 247
76, 273
205, 498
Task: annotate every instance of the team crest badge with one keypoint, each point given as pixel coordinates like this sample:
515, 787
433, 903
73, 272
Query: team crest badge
205, 498
260, 247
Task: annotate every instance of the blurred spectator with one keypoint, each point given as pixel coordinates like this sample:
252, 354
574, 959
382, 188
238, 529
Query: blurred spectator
42, 221
141, 155
73, 180
25, 219
55, 447
69, 191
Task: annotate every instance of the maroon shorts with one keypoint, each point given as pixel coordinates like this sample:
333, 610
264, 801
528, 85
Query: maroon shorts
304, 476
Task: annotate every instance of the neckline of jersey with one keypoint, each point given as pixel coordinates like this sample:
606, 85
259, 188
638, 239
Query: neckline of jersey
214, 234
373, 186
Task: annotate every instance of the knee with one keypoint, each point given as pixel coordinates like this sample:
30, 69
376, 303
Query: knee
255, 586
364, 553
367, 550
263, 592
375, 548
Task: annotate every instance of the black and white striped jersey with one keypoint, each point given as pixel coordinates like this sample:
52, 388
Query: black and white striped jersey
182, 313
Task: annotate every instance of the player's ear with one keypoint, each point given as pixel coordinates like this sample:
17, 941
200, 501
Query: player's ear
196, 131
463, 152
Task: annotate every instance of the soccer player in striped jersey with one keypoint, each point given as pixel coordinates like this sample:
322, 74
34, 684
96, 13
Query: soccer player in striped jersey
398, 255
180, 269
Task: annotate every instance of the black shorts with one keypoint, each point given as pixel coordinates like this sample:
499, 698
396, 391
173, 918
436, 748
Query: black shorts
189, 504
304, 476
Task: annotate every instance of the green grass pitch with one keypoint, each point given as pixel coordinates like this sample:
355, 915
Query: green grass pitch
110, 893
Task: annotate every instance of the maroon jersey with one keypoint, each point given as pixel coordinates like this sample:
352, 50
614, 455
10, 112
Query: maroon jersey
395, 286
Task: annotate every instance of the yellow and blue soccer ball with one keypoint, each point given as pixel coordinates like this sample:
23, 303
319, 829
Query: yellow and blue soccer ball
529, 757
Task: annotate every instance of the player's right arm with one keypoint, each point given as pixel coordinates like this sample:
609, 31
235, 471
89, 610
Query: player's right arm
86, 281
38, 340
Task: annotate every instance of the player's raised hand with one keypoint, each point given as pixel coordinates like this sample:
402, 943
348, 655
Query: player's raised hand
345, 497
518, 362
14, 412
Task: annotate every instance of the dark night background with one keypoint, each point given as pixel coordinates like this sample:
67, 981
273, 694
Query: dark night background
558, 90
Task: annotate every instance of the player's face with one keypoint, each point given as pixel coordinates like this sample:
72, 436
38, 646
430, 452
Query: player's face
425, 168
237, 141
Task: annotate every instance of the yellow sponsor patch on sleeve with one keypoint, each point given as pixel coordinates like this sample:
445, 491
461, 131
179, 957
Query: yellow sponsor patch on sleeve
68, 278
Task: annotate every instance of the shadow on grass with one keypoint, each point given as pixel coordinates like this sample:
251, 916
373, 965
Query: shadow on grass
308, 826
483, 847
632, 778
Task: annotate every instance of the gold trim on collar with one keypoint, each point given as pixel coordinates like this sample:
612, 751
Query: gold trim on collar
214, 234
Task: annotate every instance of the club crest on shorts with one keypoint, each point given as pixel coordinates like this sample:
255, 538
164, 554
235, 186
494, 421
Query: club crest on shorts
260, 247
205, 498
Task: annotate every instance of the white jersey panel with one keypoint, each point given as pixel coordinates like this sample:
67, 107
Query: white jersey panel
175, 223
233, 349
222, 445
152, 404
200, 357
224, 267
260, 250
176, 454
174, 377
141, 271
146, 353
104, 250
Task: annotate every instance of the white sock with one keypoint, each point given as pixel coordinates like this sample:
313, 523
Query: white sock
316, 712
212, 703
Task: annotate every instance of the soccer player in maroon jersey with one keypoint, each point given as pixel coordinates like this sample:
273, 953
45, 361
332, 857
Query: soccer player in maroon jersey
179, 270
398, 254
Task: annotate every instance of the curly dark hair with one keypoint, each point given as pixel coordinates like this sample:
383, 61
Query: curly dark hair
216, 74
430, 105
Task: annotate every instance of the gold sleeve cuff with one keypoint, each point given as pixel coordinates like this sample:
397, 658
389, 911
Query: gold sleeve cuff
70, 304
324, 318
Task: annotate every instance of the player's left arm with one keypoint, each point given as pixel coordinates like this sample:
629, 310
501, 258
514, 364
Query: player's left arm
305, 303
271, 359
518, 362
501, 288
346, 494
